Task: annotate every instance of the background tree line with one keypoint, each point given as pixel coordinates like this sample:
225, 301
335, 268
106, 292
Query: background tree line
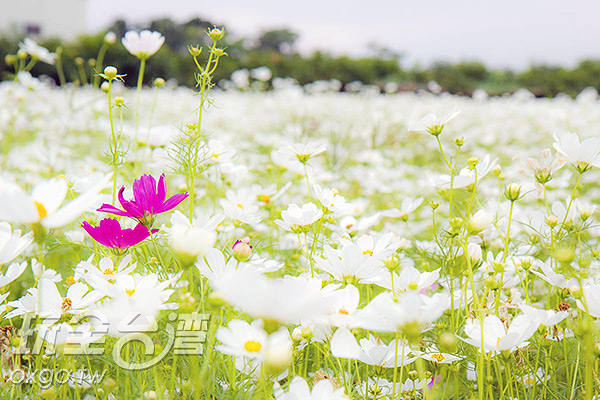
275, 49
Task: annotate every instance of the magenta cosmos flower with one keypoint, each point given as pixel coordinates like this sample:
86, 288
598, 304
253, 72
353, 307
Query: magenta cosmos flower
149, 199
110, 234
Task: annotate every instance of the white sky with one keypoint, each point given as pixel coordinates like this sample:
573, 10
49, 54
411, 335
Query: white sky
507, 33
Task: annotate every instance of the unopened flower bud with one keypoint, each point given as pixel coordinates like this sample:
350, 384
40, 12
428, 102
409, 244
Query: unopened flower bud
433, 205
497, 170
459, 141
412, 374
448, 342
218, 52
159, 82
78, 61
10, 59
512, 191
472, 162
110, 37
242, 249
479, 221
195, 50
105, 87
22, 54
110, 72
92, 62
456, 222
216, 33
565, 255
552, 220
119, 101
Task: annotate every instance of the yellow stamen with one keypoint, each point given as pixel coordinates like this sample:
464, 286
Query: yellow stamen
252, 346
343, 311
108, 271
41, 210
66, 304
369, 252
438, 357
130, 291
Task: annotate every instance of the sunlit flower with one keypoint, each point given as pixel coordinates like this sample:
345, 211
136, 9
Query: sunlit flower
149, 199
432, 124
12, 243
143, 44
299, 390
44, 204
582, 155
492, 335
299, 219
37, 52
110, 234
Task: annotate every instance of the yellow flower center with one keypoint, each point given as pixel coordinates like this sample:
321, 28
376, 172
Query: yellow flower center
240, 206
438, 357
66, 304
108, 271
130, 291
252, 346
41, 210
343, 311
265, 198
369, 252
215, 155
70, 280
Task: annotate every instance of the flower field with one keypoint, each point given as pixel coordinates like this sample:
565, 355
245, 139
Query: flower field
298, 243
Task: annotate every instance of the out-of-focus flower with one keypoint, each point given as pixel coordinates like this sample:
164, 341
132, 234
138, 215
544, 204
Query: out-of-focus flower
299, 219
143, 44
299, 390
37, 52
582, 155
44, 204
492, 335
432, 124
12, 243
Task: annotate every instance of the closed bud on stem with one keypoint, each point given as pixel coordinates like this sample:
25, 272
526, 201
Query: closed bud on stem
22, 54
216, 33
195, 50
110, 72
119, 101
242, 249
497, 170
552, 220
10, 59
218, 52
159, 82
459, 141
434, 205
79, 61
92, 62
512, 191
565, 255
412, 374
110, 38
105, 87
472, 162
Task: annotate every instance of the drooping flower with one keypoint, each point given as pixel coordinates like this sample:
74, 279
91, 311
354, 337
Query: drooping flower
110, 234
149, 199
143, 44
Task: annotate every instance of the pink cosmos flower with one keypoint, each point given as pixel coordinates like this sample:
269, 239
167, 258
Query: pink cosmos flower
148, 200
110, 234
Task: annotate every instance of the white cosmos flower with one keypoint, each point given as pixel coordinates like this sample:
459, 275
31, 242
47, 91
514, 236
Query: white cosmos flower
496, 336
385, 314
582, 155
104, 271
241, 206
373, 351
350, 264
240, 338
13, 271
466, 176
432, 124
12, 243
213, 265
285, 300
410, 278
299, 219
44, 204
77, 299
294, 157
332, 201
189, 241
143, 44
36, 51
299, 390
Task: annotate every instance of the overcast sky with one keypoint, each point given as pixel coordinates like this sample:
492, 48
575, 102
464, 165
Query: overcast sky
507, 33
